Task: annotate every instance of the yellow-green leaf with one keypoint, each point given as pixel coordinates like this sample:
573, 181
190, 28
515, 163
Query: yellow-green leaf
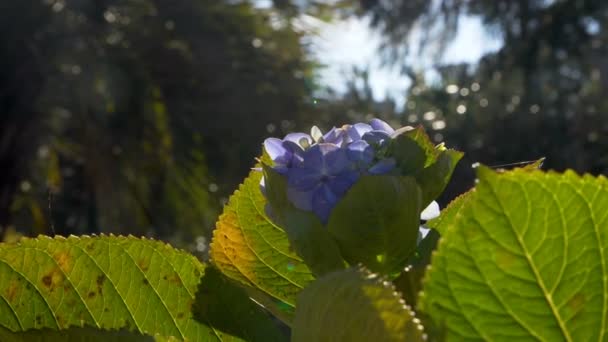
249, 248
524, 258
104, 282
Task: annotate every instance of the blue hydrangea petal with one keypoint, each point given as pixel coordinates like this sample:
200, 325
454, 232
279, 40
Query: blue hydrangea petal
360, 152
335, 161
301, 199
297, 138
303, 179
340, 184
336, 136
313, 158
382, 167
276, 151
296, 158
356, 131
380, 125
323, 202
377, 138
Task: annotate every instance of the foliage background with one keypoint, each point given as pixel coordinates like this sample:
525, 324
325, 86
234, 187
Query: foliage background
142, 116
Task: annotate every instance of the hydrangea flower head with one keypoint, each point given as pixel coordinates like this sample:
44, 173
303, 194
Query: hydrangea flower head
321, 168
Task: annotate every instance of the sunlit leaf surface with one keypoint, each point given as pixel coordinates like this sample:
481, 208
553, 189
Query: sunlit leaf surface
104, 282
249, 248
524, 258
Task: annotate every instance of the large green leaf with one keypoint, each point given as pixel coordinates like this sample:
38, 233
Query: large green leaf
424, 142
409, 155
448, 214
227, 307
249, 248
524, 259
354, 305
74, 334
434, 178
377, 222
103, 282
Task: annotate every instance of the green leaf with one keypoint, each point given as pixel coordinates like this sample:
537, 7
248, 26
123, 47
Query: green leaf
431, 165
249, 248
409, 155
524, 259
103, 282
228, 308
424, 249
353, 305
409, 282
422, 139
74, 334
434, 178
309, 238
448, 214
377, 222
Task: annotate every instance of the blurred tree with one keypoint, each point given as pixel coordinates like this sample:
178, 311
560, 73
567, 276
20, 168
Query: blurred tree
137, 115
541, 94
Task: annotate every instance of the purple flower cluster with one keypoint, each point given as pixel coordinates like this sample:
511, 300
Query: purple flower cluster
320, 168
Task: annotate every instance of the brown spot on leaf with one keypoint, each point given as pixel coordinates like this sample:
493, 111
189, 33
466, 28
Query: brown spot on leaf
143, 264
146, 282
100, 280
63, 260
91, 294
175, 279
577, 302
47, 280
38, 319
52, 279
12, 291
180, 315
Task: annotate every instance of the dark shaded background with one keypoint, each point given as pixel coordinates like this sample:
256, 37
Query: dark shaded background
142, 116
